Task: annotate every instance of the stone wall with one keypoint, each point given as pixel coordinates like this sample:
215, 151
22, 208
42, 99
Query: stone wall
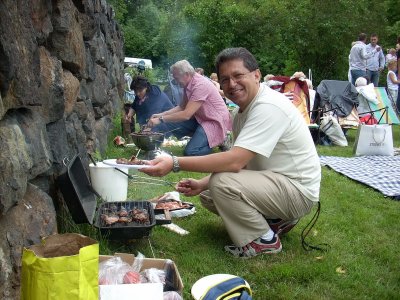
61, 76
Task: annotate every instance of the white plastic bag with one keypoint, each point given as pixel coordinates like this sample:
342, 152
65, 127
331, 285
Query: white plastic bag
374, 140
330, 126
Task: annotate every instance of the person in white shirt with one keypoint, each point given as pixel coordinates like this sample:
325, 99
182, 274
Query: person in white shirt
376, 63
269, 178
392, 81
366, 95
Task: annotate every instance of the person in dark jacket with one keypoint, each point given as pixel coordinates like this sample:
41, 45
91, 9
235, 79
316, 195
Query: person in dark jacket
149, 100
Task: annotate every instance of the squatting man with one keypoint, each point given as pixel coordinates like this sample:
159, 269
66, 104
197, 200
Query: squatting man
269, 178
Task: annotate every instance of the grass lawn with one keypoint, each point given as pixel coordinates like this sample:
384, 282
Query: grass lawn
361, 226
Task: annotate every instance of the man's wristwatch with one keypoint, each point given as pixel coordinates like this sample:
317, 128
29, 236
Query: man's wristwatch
175, 164
161, 118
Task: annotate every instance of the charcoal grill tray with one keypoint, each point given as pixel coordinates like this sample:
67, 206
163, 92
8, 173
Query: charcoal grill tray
132, 230
82, 203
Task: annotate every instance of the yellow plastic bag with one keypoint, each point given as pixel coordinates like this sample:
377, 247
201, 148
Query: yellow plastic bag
65, 266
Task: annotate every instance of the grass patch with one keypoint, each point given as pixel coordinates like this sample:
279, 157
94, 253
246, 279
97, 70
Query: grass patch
360, 225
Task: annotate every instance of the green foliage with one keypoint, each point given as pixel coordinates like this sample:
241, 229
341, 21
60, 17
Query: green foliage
120, 9
285, 36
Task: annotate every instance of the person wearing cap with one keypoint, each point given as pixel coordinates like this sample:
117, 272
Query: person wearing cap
269, 178
202, 115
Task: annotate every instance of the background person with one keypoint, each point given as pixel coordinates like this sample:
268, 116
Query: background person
376, 63
393, 82
202, 114
127, 125
391, 55
271, 172
173, 90
199, 71
214, 80
366, 96
149, 100
358, 56
398, 70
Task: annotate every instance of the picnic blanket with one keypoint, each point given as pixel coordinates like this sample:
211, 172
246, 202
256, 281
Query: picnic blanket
379, 172
384, 101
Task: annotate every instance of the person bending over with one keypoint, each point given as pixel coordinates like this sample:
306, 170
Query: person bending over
202, 114
269, 178
149, 100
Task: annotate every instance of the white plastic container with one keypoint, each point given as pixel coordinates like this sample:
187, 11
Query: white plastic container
111, 184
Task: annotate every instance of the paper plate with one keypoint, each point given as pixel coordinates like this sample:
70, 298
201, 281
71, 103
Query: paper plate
203, 284
113, 162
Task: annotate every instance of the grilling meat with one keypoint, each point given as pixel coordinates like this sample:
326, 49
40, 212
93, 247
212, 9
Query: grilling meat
112, 216
123, 212
170, 205
109, 219
140, 215
125, 220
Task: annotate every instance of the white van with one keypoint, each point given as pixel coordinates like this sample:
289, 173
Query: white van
134, 62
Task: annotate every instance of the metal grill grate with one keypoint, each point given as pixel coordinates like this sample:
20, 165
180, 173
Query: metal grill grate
125, 214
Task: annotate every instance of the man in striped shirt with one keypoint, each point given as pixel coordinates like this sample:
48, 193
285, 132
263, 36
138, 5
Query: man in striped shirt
202, 114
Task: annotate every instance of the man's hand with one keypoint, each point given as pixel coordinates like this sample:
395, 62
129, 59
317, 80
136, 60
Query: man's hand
189, 187
154, 121
159, 166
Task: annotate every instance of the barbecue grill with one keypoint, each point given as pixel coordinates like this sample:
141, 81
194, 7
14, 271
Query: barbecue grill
81, 200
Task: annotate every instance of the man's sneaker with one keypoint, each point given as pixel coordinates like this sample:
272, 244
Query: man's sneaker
280, 226
256, 247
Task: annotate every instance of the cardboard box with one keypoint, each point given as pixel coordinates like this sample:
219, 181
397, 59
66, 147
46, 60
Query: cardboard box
152, 291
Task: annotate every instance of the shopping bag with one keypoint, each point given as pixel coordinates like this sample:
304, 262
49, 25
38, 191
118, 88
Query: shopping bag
330, 126
64, 266
374, 140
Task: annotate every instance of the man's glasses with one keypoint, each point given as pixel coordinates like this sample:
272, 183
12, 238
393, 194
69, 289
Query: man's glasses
224, 81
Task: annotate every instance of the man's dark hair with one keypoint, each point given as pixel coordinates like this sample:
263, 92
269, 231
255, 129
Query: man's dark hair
139, 83
362, 37
228, 54
373, 35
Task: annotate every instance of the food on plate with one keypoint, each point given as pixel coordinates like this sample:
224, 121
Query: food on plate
132, 161
171, 204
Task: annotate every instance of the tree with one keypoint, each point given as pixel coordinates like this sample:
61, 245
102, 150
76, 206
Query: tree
285, 36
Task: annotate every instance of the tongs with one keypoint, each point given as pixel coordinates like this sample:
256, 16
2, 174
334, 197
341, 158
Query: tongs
147, 180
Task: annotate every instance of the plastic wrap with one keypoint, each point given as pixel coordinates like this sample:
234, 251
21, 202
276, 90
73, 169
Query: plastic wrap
171, 295
152, 275
116, 271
